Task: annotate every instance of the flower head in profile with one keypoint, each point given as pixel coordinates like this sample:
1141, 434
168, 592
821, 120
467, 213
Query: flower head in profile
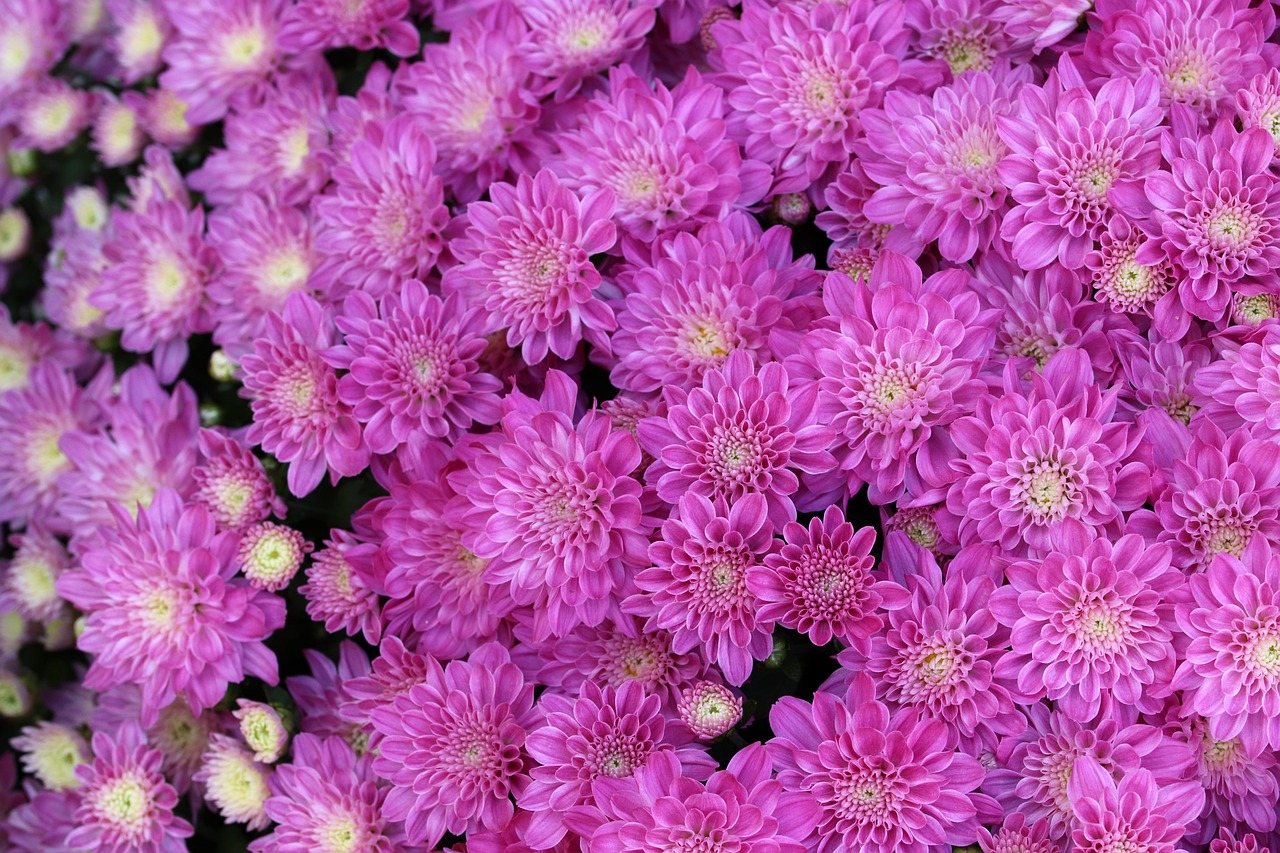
1258, 105
235, 783
51, 752
1039, 24
362, 24
125, 804
262, 729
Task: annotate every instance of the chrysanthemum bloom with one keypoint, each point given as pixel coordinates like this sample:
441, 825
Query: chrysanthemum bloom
51, 752
797, 80
1258, 105
937, 159
327, 800
165, 612
338, 596
394, 672
473, 97
1090, 620
153, 287
1018, 836
738, 434
231, 483
235, 784
297, 415
29, 582
262, 729
363, 24
1242, 387
164, 116
845, 222
882, 780
181, 736
412, 366
740, 808
526, 259
51, 113
1200, 51
709, 709
31, 41
1252, 309
140, 29
820, 582
125, 804
454, 746
601, 735
25, 345
1039, 24
222, 51
555, 510
1120, 279
933, 528
1067, 149
1215, 213
669, 160
42, 824
570, 40
1161, 373
270, 555
1223, 492
697, 587
321, 696
16, 700
1029, 463
117, 133
381, 219
1137, 813
960, 33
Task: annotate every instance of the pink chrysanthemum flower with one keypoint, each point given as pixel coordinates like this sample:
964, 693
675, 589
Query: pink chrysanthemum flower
1068, 147
821, 583
117, 134
412, 362
570, 40
28, 584
697, 588
51, 113
1039, 24
1089, 621
25, 345
1200, 51
181, 736
555, 510
1242, 387
270, 555
1161, 374
125, 805
327, 801
669, 162
1137, 813
594, 738
164, 611
797, 80
1253, 309
961, 33
937, 160
140, 29
1017, 836
321, 696
153, 286
51, 752
235, 784
1230, 673
739, 434
709, 709
1123, 281
262, 729
380, 221
222, 52
231, 483
526, 258
394, 673
32, 38
297, 415
740, 808
882, 780
70, 277
164, 117
362, 24
42, 824
338, 596
1215, 212
1028, 464
1258, 105
856, 240
454, 746
933, 528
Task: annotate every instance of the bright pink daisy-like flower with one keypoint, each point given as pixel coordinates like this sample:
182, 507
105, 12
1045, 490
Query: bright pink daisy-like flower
1068, 148
697, 588
181, 736
32, 38
937, 160
453, 747
1027, 464
125, 805
738, 434
1090, 620
670, 162
327, 800
799, 78
572, 39
883, 780
1215, 212
1137, 813
1126, 283
140, 29
1242, 387
526, 258
338, 596
394, 672
222, 52
555, 509
28, 584
740, 808
42, 824
51, 113
231, 483
961, 33
297, 415
599, 736
821, 583
381, 219
1039, 24
166, 612
153, 286
412, 366
362, 24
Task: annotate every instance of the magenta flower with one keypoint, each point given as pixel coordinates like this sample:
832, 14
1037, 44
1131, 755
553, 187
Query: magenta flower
381, 219
1242, 387
1017, 836
821, 583
960, 33
338, 596
570, 40
1258, 105
394, 673
231, 483
597, 736
28, 584
882, 780
1126, 283
453, 747
322, 696
165, 610
526, 258
125, 804
42, 824
737, 435
710, 710
139, 32
297, 415
1136, 813
363, 24
1039, 24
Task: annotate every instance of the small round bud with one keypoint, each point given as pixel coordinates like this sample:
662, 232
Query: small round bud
221, 367
791, 208
709, 709
270, 555
262, 728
